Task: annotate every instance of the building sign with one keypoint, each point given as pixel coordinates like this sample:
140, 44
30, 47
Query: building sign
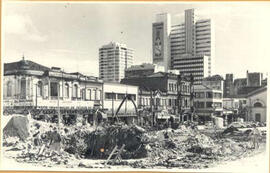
158, 41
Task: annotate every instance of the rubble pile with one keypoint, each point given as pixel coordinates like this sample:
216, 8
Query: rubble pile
186, 147
100, 142
194, 150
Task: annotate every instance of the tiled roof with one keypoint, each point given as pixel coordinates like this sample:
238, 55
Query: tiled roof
257, 91
19, 65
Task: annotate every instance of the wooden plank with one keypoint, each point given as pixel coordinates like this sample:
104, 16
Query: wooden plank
111, 155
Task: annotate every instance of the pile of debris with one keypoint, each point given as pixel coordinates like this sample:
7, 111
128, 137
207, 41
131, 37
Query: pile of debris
100, 142
193, 150
45, 143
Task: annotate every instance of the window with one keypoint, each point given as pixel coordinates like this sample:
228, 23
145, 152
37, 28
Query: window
133, 96
39, 88
110, 96
140, 101
88, 94
92, 94
120, 96
258, 117
199, 94
257, 104
66, 91
209, 104
9, 89
98, 94
209, 95
75, 91
186, 103
217, 95
199, 104
23, 88
54, 89
170, 102
82, 91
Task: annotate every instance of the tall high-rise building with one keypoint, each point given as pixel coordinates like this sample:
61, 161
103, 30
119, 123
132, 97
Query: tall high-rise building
114, 58
189, 39
161, 40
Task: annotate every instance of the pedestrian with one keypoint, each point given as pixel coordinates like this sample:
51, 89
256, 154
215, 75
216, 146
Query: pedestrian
55, 142
255, 135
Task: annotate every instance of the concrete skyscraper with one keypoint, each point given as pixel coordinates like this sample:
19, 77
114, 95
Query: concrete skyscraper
161, 40
114, 58
192, 40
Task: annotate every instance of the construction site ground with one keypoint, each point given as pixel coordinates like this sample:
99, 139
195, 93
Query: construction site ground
184, 148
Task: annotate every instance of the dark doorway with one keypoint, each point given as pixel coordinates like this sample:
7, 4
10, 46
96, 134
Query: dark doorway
258, 117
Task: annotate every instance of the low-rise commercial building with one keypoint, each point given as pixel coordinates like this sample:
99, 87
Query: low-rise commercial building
257, 105
50, 93
28, 84
161, 91
114, 94
207, 102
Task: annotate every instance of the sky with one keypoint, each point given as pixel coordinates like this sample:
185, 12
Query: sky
68, 35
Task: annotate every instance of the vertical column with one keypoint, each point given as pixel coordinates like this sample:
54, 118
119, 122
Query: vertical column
49, 89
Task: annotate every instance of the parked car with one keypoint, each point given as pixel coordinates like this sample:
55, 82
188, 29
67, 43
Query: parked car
237, 125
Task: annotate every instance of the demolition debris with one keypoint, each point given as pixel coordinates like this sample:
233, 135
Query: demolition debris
106, 145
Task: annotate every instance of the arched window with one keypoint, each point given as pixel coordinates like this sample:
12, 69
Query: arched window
9, 89
23, 88
66, 91
257, 104
75, 91
54, 88
39, 88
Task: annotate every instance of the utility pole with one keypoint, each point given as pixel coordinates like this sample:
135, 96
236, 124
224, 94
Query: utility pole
36, 94
179, 101
192, 96
58, 106
112, 105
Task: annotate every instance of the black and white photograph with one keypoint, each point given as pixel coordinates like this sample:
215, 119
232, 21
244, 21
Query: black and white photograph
135, 86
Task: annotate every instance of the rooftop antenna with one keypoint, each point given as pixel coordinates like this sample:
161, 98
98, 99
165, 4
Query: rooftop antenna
122, 37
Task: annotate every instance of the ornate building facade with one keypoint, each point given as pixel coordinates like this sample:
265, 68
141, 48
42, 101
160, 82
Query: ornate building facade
28, 84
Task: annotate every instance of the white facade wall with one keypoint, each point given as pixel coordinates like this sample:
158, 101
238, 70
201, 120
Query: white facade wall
117, 89
231, 103
207, 110
261, 98
14, 98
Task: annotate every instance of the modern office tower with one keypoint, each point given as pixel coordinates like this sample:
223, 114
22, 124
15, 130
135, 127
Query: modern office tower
190, 31
161, 40
205, 41
195, 65
114, 58
178, 42
189, 39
